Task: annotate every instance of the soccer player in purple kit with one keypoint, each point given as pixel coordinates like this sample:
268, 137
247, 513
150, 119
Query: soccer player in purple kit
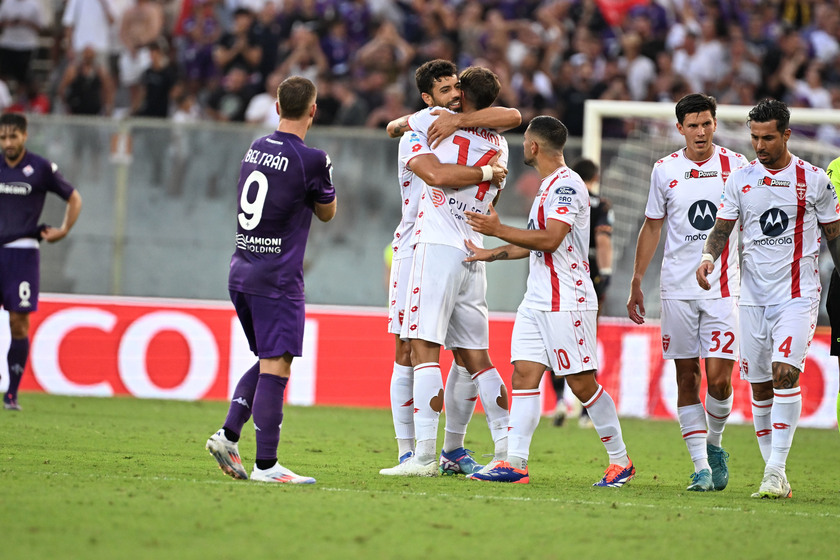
25, 180
282, 182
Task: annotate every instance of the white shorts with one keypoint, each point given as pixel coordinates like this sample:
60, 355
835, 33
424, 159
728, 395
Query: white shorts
446, 299
705, 328
397, 290
132, 67
565, 341
777, 333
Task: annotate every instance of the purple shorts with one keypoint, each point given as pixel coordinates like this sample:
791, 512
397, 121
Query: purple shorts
273, 326
19, 279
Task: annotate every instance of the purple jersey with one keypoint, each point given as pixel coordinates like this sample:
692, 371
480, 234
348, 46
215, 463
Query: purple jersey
280, 180
23, 190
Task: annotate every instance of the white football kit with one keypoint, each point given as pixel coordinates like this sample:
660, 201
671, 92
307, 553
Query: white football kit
446, 298
556, 321
411, 188
695, 322
780, 211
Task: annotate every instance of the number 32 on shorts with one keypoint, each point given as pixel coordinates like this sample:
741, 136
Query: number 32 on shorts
728, 340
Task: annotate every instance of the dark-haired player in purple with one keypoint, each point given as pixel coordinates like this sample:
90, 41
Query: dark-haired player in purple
25, 180
282, 182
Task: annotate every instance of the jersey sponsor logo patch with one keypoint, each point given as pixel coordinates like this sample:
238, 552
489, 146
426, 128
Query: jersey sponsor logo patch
745, 189
771, 182
565, 190
697, 174
438, 198
17, 188
774, 222
562, 210
666, 342
701, 215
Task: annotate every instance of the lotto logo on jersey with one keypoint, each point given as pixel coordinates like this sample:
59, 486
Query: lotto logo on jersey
666, 342
438, 198
697, 174
701, 215
771, 182
745, 189
562, 210
774, 222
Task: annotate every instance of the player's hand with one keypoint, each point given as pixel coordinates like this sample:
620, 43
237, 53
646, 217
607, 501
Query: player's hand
477, 253
636, 306
444, 126
53, 234
499, 171
703, 272
486, 224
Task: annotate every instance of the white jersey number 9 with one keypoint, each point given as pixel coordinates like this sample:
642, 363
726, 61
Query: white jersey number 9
251, 213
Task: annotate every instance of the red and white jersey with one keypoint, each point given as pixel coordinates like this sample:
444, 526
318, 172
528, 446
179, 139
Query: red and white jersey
559, 281
780, 211
411, 189
440, 216
686, 194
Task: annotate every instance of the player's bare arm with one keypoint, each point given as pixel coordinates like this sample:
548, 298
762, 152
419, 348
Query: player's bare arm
325, 212
646, 245
398, 127
499, 118
832, 238
71, 214
429, 168
546, 240
503, 253
715, 243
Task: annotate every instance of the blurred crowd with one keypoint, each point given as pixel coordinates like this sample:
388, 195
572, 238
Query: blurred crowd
223, 59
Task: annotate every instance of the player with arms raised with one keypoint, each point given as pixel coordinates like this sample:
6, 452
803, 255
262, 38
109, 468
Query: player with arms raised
781, 200
437, 81
282, 183
685, 188
556, 322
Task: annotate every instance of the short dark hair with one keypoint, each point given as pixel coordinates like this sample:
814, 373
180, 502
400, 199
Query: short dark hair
295, 95
432, 71
480, 85
586, 168
550, 130
695, 103
17, 120
771, 110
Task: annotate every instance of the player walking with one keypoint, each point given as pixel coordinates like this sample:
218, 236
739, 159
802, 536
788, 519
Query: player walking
446, 300
555, 324
685, 188
437, 81
25, 180
780, 200
282, 183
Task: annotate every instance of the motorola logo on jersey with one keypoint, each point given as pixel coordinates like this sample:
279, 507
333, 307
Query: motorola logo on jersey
774, 222
701, 215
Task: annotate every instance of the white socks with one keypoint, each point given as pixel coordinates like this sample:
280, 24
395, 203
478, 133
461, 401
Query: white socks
402, 406
717, 413
602, 412
524, 418
763, 426
493, 394
428, 402
784, 417
693, 427
459, 398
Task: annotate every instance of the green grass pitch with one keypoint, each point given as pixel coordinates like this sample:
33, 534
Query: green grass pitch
122, 478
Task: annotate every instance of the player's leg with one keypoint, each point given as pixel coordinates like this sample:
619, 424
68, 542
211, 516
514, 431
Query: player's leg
17, 357
832, 306
558, 382
756, 368
493, 395
402, 374
792, 327
459, 396
681, 342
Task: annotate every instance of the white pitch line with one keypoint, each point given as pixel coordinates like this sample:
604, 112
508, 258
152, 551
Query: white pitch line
469, 497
